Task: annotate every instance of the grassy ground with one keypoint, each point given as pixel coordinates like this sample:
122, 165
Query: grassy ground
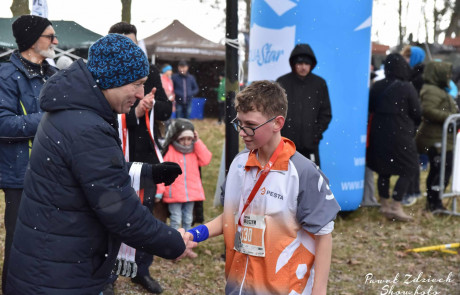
365, 245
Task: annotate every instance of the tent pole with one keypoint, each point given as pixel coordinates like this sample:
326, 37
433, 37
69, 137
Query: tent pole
231, 81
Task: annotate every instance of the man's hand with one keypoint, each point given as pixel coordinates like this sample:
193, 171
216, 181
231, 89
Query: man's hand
165, 172
145, 104
189, 244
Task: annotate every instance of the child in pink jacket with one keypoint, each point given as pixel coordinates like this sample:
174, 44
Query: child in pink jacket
183, 146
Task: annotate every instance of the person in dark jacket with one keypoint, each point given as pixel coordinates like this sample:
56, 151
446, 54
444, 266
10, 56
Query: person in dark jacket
78, 204
21, 80
395, 113
143, 149
186, 88
414, 56
309, 107
437, 106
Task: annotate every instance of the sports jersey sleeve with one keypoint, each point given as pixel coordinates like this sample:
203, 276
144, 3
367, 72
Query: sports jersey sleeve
316, 203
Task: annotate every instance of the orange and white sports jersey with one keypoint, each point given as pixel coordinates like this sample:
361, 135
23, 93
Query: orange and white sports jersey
295, 202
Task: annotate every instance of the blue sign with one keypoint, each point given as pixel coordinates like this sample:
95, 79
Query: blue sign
339, 33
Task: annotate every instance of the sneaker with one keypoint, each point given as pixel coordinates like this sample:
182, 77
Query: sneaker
409, 200
148, 283
436, 208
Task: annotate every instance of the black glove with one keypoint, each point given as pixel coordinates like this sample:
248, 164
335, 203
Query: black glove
165, 172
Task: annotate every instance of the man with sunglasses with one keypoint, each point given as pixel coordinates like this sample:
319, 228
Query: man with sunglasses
21, 80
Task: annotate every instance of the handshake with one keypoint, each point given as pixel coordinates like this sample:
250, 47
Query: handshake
189, 244
165, 172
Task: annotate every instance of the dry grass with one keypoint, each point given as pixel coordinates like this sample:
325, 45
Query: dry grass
364, 243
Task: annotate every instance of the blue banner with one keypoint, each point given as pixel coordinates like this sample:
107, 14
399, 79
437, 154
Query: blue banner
339, 33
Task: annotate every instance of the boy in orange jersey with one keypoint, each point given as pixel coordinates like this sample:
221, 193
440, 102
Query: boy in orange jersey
278, 210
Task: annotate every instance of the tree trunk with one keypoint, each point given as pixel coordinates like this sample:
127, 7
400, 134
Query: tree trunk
401, 33
454, 25
126, 11
20, 7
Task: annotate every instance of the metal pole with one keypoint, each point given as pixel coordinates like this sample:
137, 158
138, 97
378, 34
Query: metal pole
231, 81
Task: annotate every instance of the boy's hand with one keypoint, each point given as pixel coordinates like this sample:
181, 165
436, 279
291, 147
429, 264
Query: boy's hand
189, 244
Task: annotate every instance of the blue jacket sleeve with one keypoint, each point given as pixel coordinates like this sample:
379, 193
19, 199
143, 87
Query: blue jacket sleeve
14, 124
194, 86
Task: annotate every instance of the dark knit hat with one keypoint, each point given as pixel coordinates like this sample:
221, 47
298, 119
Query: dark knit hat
114, 61
303, 59
27, 29
183, 62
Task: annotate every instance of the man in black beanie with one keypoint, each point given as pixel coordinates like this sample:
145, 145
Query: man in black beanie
21, 80
309, 107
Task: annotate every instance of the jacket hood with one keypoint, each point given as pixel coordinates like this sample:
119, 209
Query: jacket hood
302, 49
438, 73
396, 67
175, 129
75, 89
417, 56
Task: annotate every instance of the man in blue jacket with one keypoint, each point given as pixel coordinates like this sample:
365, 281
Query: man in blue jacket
185, 88
78, 204
21, 80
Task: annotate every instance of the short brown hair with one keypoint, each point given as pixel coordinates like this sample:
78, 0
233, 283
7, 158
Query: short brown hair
123, 28
265, 96
406, 51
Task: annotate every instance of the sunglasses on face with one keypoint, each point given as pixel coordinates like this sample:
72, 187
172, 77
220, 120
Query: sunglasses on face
51, 37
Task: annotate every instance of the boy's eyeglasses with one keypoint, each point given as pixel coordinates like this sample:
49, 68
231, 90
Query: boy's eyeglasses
248, 130
51, 37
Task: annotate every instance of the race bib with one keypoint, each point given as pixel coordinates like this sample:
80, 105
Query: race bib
249, 238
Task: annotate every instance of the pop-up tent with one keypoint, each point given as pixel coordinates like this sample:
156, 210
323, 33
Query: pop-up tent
206, 58
176, 42
74, 40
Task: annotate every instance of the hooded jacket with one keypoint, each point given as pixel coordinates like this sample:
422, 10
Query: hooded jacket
309, 107
395, 114
78, 204
437, 105
20, 114
416, 63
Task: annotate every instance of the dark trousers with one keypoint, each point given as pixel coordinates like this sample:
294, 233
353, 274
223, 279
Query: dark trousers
432, 181
414, 187
183, 110
143, 259
12, 202
400, 189
311, 154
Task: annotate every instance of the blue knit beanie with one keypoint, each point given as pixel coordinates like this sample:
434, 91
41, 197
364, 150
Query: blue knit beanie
417, 56
114, 61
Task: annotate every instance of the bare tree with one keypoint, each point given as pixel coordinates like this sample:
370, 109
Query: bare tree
454, 25
126, 11
438, 15
20, 7
400, 26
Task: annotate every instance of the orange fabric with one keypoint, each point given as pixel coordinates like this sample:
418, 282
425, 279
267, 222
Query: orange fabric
282, 163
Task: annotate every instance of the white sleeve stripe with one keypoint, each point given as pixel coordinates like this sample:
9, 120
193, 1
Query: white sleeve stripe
327, 229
